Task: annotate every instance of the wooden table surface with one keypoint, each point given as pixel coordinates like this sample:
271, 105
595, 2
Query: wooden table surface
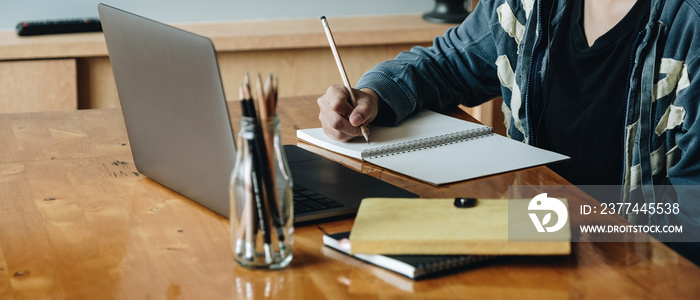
77, 221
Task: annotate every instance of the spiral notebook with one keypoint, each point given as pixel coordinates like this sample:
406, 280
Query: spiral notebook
411, 266
437, 149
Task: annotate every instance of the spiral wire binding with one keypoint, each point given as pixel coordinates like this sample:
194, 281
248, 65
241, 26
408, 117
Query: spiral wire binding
430, 142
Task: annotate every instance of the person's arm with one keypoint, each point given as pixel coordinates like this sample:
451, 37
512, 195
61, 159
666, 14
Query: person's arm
459, 68
682, 127
675, 161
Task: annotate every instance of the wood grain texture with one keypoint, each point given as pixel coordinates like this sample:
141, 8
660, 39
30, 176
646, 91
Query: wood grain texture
436, 226
78, 221
243, 36
38, 85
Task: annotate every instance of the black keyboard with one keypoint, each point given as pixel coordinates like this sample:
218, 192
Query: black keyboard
306, 200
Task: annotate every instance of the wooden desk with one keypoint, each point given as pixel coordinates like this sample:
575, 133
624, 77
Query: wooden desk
77, 221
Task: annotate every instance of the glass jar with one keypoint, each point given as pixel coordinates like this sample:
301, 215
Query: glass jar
261, 198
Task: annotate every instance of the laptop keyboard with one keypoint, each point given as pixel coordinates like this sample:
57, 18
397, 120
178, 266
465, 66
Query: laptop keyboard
306, 201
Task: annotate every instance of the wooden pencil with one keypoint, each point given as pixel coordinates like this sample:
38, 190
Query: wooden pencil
343, 74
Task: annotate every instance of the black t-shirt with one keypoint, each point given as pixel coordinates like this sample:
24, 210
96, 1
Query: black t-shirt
585, 103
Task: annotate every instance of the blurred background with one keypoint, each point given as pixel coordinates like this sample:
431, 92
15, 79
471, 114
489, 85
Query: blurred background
185, 11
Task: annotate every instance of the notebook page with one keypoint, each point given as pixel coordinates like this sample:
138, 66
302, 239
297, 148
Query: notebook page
422, 125
466, 160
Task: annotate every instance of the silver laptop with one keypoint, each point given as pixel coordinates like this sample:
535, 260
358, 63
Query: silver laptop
179, 129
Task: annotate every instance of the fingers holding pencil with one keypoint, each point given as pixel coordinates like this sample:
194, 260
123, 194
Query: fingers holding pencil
340, 121
365, 110
344, 76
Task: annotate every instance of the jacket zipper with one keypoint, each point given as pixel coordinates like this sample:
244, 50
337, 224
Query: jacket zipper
635, 45
533, 87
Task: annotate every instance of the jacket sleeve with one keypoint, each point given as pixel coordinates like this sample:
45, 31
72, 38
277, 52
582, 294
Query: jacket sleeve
459, 68
677, 122
682, 123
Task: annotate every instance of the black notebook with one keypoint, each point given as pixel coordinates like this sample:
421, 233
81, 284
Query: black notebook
411, 266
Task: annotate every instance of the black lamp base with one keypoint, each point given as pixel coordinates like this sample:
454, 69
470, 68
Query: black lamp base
447, 11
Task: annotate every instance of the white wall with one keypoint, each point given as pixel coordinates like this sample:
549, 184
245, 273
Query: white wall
178, 11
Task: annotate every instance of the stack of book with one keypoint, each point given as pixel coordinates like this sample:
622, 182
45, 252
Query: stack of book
422, 237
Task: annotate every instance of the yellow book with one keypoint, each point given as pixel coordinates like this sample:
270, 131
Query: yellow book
437, 226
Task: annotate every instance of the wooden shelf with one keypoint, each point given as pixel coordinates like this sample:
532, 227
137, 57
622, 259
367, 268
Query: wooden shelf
243, 36
296, 50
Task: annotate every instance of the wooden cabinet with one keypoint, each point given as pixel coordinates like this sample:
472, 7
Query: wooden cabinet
72, 71
38, 85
